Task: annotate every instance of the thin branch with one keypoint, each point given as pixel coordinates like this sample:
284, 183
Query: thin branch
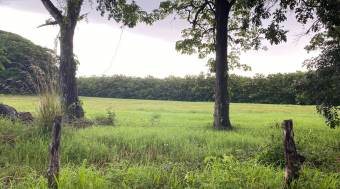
211, 6
83, 16
201, 8
48, 23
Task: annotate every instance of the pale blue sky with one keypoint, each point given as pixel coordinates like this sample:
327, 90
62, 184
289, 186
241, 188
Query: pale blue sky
144, 50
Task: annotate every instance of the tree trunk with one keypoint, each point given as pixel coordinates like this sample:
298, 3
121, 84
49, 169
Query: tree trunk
292, 158
221, 114
53, 167
67, 74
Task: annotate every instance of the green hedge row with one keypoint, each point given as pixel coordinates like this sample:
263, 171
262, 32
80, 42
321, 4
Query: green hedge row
275, 88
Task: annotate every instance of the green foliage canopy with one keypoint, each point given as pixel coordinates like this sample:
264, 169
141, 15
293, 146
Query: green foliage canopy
128, 13
246, 26
23, 64
322, 82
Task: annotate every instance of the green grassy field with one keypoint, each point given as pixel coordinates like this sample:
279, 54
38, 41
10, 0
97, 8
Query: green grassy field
166, 144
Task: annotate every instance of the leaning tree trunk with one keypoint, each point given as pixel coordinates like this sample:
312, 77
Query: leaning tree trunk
67, 73
221, 114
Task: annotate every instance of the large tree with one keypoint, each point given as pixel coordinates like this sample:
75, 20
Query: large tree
67, 19
323, 79
219, 24
127, 13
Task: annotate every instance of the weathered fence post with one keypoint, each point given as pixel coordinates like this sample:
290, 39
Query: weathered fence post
53, 167
292, 158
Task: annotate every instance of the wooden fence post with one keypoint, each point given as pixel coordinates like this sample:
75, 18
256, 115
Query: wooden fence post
53, 167
292, 158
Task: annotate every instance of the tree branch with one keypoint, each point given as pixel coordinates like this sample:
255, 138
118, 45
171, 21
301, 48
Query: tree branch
309, 5
51, 22
48, 22
231, 2
54, 11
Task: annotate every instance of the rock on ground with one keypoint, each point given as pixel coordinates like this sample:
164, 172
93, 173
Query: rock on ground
11, 113
8, 112
25, 117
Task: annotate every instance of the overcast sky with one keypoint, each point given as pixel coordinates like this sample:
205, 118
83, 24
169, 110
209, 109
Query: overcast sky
144, 50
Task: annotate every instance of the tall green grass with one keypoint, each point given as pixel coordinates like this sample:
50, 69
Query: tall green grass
178, 150
49, 108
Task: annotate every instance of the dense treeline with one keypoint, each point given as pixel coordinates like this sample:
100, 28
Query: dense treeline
275, 88
190, 88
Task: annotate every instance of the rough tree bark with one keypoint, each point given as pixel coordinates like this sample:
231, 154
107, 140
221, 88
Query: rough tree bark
53, 167
221, 110
67, 69
67, 73
292, 158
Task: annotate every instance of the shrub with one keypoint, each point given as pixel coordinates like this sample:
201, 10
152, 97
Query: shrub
109, 119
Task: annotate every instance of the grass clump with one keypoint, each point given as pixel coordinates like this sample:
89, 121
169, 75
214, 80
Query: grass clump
272, 154
49, 108
155, 119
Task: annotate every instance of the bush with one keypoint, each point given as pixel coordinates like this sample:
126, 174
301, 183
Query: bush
109, 119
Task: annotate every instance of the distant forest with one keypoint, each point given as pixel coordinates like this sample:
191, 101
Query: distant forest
273, 89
